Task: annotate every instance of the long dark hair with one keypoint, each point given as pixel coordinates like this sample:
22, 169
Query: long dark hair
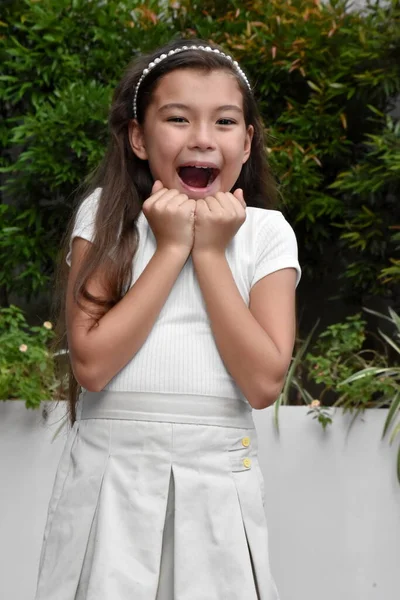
126, 182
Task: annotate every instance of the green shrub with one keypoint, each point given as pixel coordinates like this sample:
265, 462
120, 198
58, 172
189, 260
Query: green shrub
26, 259
338, 355
348, 373
27, 365
326, 79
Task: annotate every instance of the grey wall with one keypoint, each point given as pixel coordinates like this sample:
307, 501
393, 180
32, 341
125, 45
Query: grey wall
332, 503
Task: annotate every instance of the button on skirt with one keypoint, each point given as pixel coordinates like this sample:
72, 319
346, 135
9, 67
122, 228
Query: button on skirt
157, 497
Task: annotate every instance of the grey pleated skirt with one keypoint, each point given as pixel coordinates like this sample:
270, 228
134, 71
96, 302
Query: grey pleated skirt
157, 497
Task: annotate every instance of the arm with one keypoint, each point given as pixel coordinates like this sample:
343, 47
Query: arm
98, 353
255, 343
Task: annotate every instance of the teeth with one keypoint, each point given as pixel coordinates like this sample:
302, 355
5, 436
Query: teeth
198, 167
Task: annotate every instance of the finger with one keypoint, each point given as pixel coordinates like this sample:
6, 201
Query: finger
172, 198
154, 197
164, 196
238, 193
201, 206
176, 200
189, 202
157, 186
212, 204
227, 202
237, 203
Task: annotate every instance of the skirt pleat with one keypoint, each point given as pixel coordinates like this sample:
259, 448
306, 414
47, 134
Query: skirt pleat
156, 510
61, 476
253, 517
69, 525
166, 584
124, 549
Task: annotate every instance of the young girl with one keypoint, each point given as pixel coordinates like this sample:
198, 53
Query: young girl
180, 319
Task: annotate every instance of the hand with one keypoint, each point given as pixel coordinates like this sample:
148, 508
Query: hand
171, 217
217, 220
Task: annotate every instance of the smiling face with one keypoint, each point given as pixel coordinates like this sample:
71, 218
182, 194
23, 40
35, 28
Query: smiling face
194, 134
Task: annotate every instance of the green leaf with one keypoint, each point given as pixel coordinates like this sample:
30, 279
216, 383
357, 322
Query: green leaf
277, 404
390, 342
367, 373
394, 433
398, 465
394, 409
314, 87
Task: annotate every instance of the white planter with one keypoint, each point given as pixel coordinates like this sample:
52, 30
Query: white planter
333, 506
332, 503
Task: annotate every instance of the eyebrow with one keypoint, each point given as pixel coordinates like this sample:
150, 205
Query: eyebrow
179, 106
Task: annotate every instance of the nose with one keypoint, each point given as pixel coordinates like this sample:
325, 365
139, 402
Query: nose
202, 137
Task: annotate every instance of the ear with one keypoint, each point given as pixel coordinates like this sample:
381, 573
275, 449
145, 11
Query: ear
136, 139
247, 143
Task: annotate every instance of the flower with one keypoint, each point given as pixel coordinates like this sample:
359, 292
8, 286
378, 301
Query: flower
23, 348
48, 325
315, 404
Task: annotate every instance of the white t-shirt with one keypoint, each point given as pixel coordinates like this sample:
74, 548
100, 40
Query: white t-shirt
180, 355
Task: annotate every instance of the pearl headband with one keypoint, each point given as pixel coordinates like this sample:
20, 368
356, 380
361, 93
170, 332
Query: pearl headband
157, 60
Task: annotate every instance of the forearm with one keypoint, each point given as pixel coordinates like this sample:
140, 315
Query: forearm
105, 349
249, 354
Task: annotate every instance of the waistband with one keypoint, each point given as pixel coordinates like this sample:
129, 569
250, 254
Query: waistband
170, 408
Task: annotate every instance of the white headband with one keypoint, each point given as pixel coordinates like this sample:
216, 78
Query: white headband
157, 60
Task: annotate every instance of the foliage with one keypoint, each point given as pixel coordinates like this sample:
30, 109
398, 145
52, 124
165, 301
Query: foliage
389, 376
368, 228
294, 380
25, 266
337, 355
347, 374
60, 62
26, 362
321, 413
326, 79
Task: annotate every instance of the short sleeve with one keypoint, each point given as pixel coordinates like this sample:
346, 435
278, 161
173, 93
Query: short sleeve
84, 220
276, 247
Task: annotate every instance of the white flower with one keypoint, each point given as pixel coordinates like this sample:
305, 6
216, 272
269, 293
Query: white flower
315, 404
48, 325
23, 348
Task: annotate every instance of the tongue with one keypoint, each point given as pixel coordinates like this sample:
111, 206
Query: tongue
194, 177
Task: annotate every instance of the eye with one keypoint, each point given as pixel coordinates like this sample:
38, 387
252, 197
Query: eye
176, 120
226, 122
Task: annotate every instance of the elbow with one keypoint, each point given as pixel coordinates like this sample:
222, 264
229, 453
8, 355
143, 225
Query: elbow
92, 386
89, 377
266, 394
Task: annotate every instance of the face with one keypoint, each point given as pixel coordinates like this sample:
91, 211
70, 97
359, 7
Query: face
194, 135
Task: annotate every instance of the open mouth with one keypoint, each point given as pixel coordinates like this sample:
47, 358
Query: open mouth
198, 177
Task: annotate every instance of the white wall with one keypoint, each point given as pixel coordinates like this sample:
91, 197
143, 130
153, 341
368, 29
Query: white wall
333, 504
333, 507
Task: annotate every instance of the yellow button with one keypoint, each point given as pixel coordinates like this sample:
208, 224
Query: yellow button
246, 442
247, 463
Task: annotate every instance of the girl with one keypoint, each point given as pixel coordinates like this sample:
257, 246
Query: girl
180, 319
